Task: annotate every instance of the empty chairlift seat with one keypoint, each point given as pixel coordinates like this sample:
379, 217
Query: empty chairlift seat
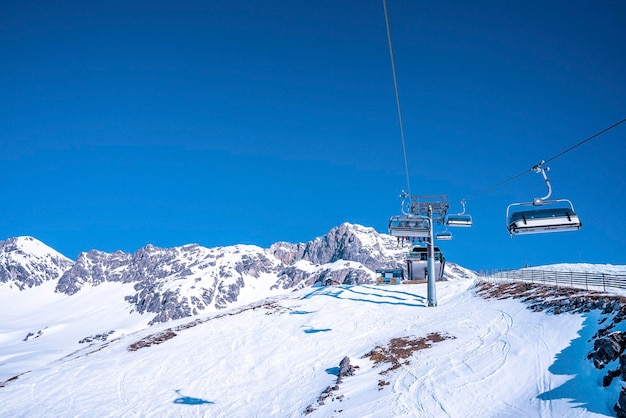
546, 216
409, 226
444, 236
459, 220
544, 220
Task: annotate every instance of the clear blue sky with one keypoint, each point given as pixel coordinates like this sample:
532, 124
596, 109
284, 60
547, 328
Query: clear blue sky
124, 123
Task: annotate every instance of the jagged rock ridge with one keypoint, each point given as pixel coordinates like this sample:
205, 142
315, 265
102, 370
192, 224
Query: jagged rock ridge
173, 283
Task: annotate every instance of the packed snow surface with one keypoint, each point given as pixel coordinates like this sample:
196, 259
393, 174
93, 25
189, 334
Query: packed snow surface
584, 268
276, 357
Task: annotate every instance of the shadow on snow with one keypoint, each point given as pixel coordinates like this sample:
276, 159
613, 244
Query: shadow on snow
585, 388
314, 330
301, 312
333, 371
392, 297
188, 400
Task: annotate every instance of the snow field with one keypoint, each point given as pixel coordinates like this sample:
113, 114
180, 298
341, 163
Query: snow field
276, 357
59, 322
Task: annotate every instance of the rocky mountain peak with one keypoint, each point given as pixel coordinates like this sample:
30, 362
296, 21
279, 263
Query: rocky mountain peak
355, 243
26, 262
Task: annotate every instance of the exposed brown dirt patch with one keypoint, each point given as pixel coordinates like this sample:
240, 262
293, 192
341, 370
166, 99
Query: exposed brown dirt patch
12, 379
397, 352
154, 339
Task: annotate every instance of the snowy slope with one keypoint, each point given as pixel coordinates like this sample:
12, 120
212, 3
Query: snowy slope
582, 268
277, 357
40, 326
246, 331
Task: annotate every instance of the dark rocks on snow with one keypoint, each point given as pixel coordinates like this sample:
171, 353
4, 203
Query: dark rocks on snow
607, 349
609, 345
97, 337
345, 369
620, 406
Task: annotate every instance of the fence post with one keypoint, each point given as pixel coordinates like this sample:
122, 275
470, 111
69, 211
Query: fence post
603, 283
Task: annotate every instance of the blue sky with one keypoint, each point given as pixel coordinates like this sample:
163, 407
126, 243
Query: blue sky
225, 122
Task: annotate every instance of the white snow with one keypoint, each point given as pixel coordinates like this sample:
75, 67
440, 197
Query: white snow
275, 357
58, 322
583, 268
36, 248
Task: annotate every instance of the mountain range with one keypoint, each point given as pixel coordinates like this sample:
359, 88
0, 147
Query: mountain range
173, 283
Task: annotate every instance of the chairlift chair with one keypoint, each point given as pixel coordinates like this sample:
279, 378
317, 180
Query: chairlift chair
544, 220
460, 219
409, 226
559, 216
444, 235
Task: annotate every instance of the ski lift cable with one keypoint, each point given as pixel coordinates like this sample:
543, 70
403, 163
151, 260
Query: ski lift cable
395, 84
502, 183
597, 134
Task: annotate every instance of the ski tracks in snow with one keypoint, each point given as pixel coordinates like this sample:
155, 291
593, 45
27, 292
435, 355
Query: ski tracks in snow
276, 358
465, 364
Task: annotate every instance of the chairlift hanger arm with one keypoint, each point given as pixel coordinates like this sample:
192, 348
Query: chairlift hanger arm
539, 168
462, 203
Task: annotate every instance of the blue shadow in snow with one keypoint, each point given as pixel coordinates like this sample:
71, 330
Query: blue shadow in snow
188, 400
301, 312
319, 290
585, 388
338, 293
388, 289
333, 371
315, 331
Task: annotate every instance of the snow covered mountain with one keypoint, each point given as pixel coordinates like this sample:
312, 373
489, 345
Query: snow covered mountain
172, 283
26, 262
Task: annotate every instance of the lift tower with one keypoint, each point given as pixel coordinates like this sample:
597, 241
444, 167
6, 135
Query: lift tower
420, 213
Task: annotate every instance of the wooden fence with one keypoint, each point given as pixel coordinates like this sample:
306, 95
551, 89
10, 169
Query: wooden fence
578, 279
